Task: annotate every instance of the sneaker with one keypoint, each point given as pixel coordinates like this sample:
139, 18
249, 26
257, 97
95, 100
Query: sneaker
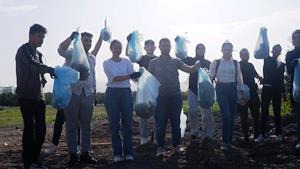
297, 147
279, 138
144, 140
129, 157
160, 152
37, 165
73, 160
226, 147
117, 158
259, 139
86, 158
51, 150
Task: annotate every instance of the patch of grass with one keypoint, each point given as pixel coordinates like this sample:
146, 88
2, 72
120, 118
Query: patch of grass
11, 116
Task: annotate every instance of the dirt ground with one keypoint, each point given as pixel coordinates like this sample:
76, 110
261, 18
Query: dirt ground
195, 155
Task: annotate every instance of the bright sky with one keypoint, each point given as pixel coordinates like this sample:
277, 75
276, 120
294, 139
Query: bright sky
207, 21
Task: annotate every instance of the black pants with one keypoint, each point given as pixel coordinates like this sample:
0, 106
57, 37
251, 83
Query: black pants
33, 113
270, 94
58, 125
254, 105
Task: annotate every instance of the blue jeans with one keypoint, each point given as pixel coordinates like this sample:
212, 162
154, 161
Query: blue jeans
119, 106
227, 100
168, 107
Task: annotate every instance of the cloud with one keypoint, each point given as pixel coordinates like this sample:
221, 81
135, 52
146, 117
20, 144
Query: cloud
17, 9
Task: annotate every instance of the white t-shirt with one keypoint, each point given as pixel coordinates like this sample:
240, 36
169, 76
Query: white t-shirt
113, 69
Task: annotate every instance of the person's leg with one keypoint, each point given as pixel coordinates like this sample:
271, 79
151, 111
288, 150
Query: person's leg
265, 103
58, 125
40, 128
175, 107
221, 91
276, 102
27, 109
126, 116
207, 121
85, 117
72, 122
232, 98
193, 112
254, 105
162, 119
243, 111
143, 130
113, 110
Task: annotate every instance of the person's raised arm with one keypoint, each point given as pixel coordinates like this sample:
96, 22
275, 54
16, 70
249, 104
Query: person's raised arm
63, 47
189, 69
97, 46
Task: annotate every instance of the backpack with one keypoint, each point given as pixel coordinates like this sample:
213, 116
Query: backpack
217, 68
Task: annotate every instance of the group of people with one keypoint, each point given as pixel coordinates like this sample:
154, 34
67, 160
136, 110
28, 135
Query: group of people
228, 74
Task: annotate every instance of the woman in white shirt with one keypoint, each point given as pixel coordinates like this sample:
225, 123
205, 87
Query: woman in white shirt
119, 101
227, 73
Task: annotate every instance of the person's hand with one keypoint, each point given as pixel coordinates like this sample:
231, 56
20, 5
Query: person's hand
135, 75
129, 37
51, 72
72, 36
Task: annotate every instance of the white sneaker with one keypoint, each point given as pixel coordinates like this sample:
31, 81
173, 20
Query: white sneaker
117, 158
297, 147
129, 158
259, 139
51, 150
144, 140
279, 138
160, 152
78, 149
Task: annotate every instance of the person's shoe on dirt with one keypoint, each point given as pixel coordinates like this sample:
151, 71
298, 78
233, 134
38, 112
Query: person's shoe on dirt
144, 140
297, 147
117, 158
129, 157
86, 158
38, 165
73, 160
161, 152
259, 139
51, 150
78, 149
226, 147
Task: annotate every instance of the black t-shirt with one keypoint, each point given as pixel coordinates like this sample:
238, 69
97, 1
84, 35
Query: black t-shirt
145, 60
249, 73
193, 79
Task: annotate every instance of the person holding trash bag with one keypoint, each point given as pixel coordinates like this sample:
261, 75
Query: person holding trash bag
169, 102
206, 114
80, 108
249, 74
292, 60
30, 71
227, 72
273, 90
119, 102
144, 62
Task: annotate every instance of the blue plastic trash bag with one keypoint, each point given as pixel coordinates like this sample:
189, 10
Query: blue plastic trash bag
146, 94
183, 119
206, 91
296, 83
181, 51
79, 60
65, 76
135, 52
243, 101
262, 46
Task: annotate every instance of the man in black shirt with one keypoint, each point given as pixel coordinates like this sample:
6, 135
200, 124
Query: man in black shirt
291, 62
249, 73
144, 62
30, 71
273, 89
206, 115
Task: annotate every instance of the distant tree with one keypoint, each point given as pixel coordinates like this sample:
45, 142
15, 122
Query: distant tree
8, 100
